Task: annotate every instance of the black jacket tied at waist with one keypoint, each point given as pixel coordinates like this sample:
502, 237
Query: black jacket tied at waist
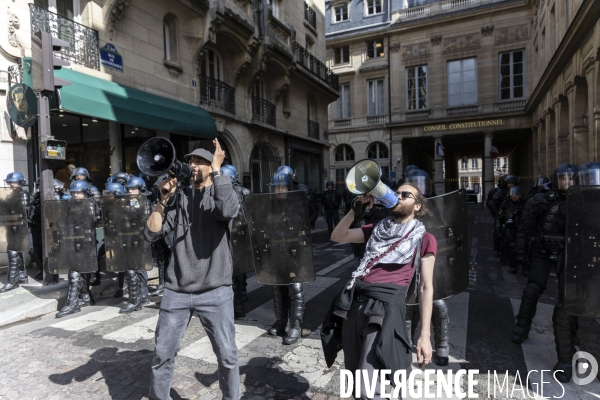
386, 306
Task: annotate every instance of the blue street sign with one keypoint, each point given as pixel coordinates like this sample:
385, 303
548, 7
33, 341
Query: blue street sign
110, 57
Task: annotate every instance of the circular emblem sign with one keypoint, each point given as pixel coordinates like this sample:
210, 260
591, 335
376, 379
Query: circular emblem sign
21, 104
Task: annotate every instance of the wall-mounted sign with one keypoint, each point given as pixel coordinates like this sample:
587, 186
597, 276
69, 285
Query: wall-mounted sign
464, 125
21, 104
110, 57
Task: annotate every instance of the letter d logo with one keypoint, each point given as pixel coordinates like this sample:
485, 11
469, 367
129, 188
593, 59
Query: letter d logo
588, 367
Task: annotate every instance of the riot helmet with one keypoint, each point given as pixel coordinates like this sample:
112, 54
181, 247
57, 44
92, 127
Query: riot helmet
589, 174
421, 180
542, 181
80, 171
15, 177
121, 177
114, 189
515, 193
58, 183
281, 182
79, 189
136, 182
502, 181
564, 176
410, 168
230, 171
284, 169
511, 180
329, 183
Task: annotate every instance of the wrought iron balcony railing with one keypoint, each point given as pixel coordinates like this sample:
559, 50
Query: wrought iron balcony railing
316, 67
217, 94
84, 41
310, 16
313, 129
263, 111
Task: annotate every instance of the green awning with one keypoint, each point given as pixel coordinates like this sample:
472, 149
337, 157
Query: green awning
107, 100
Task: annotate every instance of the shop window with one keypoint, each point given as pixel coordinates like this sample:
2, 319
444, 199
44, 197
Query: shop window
512, 75
462, 82
416, 87
170, 37
342, 55
375, 48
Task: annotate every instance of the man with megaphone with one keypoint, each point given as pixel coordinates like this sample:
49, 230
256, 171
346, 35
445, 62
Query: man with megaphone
198, 278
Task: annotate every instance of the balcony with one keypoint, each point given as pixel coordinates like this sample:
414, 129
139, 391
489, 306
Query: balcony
464, 110
217, 94
512, 105
263, 111
310, 16
83, 49
436, 8
376, 119
342, 122
316, 67
313, 129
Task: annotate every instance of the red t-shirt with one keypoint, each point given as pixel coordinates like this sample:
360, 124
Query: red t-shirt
396, 273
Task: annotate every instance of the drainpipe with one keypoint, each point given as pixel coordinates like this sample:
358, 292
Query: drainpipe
389, 54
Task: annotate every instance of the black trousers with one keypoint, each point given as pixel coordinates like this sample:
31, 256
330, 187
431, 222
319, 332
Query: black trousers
332, 217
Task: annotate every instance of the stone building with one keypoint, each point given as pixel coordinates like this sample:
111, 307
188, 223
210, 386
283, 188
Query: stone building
141, 69
435, 82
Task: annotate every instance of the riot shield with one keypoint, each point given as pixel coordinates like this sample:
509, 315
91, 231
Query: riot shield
448, 224
241, 246
280, 237
71, 235
124, 218
14, 234
582, 277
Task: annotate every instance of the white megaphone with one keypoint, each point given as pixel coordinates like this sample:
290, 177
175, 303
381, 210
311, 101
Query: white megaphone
365, 178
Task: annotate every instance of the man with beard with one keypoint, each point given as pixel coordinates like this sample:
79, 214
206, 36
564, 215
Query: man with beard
198, 279
369, 313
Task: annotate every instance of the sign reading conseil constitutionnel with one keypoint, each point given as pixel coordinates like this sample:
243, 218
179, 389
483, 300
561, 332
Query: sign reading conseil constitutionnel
110, 57
464, 125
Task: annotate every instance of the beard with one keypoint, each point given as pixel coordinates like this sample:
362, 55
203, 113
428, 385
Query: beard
402, 210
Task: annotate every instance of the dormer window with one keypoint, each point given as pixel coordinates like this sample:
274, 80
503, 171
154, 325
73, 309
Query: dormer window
374, 7
340, 12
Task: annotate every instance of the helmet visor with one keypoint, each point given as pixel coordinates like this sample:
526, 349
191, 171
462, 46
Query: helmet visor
590, 177
564, 180
515, 191
421, 182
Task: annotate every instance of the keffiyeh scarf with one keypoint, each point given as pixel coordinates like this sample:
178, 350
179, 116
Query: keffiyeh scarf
385, 234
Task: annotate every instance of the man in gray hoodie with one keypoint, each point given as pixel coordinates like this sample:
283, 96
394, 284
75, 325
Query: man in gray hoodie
198, 278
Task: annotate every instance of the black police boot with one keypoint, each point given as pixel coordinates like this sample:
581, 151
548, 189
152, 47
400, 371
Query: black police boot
440, 332
574, 324
238, 302
72, 306
281, 312
14, 272
134, 303
565, 349
296, 313
531, 294
160, 289
121, 282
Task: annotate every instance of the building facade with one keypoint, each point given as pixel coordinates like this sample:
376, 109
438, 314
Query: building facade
141, 69
433, 83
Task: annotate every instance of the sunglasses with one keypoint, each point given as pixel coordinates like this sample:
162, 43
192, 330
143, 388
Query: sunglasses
405, 195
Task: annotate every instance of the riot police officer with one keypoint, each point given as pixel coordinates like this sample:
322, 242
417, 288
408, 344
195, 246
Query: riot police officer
17, 271
78, 294
494, 203
331, 200
439, 313
82, 174
287, 299
137, 281
120, 178
489, 203
507, 223
541, 185
543, 220
239, 280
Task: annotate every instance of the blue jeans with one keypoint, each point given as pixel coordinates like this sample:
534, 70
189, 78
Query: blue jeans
215, 309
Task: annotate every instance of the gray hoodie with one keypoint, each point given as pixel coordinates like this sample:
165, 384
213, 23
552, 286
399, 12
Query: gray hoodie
201, 256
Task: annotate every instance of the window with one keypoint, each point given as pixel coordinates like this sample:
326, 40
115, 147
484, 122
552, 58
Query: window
474, 163
512, 75
340, 12
274, 6
344, 153
212, 66
416, 87
375, 97
170, 37
342, 104
374, 7
464, 182
377, 150
463, 164
462, 82
375, 48
496, 163
342, 55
